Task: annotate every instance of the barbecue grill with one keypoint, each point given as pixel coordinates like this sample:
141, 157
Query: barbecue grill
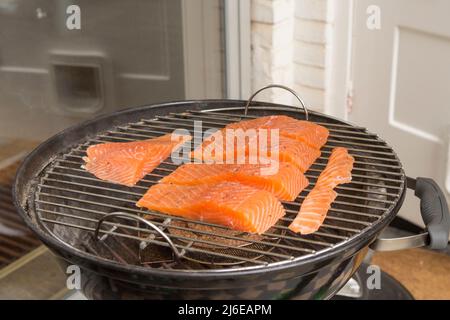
127, 252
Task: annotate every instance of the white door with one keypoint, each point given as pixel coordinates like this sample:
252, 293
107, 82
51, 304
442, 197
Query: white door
401, 84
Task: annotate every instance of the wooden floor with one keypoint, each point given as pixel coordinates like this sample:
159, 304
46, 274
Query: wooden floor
425, 273
12, 151
7, 174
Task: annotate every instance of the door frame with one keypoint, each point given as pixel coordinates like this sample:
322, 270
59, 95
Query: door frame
203, 50
237, 24
340, 61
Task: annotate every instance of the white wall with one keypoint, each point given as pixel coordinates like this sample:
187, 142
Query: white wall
272, 47
291, 45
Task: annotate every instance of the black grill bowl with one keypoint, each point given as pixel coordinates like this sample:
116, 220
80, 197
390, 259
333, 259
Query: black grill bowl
314, 276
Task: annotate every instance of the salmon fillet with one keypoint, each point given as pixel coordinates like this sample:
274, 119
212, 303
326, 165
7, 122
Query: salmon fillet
295, 152
128, 162
282, 179
317, 203
283, 149
308, 132
230, 204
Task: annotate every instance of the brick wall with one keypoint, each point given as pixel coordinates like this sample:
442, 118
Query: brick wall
291, 46
272, 47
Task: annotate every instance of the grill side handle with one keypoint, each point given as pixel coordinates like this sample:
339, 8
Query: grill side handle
280, 87
435, 215
129, 216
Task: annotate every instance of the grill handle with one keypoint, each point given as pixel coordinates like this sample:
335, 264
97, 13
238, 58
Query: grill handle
435, 215
280, 87
140, 219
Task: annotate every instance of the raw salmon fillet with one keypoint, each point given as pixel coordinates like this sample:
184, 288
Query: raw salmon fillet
308, 132
282, 179
128, 162
283, 149
234, 205
295, 152
317, 203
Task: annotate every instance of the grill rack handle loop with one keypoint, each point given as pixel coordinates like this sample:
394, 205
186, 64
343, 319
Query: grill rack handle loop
435, 214
281, 87
177, 254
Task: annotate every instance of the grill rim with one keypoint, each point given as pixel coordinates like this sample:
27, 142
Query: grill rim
22, 201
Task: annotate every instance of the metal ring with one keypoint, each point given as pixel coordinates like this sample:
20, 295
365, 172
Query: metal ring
393, 244
281, 87
145, 221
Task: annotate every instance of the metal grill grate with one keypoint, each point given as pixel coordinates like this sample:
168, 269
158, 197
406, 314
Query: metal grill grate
70, 201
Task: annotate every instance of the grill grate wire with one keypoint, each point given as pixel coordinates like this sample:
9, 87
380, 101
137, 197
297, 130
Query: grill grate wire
70, 201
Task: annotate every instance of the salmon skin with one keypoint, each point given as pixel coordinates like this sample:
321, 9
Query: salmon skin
239, 207
317, 203
282, 179
305, 131
281, 149
128, 162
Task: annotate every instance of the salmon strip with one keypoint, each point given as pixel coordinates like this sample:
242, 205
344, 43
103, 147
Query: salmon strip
128, 162
282, 179
317, 203
239, 207
283, 149
307, 132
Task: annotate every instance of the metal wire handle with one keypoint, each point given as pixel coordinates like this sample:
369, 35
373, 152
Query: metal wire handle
145, 221
281, 87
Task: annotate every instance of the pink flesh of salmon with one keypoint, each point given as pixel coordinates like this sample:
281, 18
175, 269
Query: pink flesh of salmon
283, 179
283, 149
317, 203
128, 162
306, 131
230, 204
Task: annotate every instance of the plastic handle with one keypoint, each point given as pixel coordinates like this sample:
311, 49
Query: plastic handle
434, 211
435, 215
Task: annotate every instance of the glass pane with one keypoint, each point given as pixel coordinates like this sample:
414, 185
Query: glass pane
62, 62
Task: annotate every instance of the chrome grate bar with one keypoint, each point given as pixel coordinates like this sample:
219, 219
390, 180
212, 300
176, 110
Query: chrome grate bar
132, 202
157, 242
146, 239
146, 188
160, 176
70, 197
178, 125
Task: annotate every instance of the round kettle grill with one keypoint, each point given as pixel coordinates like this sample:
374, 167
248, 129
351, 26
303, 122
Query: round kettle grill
127, 252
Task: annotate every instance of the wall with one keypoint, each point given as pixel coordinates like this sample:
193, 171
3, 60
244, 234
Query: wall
312, 49
203, 45
52, 77
291, 45
272, 31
